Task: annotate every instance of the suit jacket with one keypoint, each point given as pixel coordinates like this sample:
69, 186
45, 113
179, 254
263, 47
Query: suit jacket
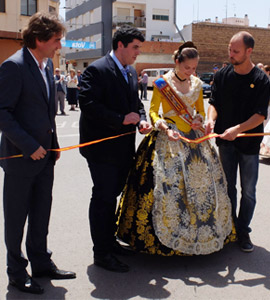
27, 116
105, 98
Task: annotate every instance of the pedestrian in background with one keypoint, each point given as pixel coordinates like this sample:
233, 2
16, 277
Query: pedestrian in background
27, 122
140, 86
61, 90
72, 88
265, 145
144, 82
215, 69
238, 104
79, 76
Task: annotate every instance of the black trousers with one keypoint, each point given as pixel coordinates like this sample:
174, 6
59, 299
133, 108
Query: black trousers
109, 181
27, 197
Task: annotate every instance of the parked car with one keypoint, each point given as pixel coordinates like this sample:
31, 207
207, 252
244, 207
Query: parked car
154, 73
207, 77
206, 90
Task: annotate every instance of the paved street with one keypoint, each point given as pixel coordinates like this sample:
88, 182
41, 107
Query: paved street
228, 274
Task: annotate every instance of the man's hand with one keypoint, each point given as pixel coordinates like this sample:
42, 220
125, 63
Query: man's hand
209, 127
131, 118
40, 153
145, 127
57, 155
230, 134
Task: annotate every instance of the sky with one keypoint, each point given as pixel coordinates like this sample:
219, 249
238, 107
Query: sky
258, 11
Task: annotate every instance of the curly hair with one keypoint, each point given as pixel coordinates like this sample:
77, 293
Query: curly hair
41, 26
126, 34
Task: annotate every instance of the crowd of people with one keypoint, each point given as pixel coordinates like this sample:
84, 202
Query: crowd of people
177, 197
67, 88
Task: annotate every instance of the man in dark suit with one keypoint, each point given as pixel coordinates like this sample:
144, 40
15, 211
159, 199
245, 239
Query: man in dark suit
110, 106
27, 122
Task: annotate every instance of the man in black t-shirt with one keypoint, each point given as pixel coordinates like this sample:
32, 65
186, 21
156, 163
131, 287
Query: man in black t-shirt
239, 101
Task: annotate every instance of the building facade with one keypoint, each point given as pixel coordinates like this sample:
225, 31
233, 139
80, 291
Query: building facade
95, 21
14, 16
236, 21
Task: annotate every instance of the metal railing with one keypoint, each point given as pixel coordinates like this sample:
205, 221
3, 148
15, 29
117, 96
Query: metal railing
133, 21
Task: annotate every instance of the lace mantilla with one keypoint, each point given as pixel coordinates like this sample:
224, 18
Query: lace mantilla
192, 96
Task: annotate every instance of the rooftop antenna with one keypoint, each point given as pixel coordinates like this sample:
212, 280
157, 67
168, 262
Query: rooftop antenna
226, 10
198, 11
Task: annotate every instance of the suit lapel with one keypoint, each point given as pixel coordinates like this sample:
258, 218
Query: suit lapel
50, 78
36, 73
120, 78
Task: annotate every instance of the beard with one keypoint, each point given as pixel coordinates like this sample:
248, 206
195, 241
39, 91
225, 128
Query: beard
237, 62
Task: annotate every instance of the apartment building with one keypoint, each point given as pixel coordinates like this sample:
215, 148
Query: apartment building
94, 22
14, 16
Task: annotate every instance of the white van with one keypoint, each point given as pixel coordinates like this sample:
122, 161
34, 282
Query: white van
154, 73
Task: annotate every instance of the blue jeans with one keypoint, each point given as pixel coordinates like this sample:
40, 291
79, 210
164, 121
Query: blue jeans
231, 158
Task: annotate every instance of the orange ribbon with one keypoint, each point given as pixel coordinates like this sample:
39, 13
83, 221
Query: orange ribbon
75, 146
214, 135
196, 141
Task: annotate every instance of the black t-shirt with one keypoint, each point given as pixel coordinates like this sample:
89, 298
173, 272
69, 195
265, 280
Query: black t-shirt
236, 98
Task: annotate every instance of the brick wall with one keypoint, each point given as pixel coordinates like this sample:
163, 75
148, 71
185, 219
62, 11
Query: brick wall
212, 42
154, 52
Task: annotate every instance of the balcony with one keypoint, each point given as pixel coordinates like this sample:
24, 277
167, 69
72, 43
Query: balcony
133, 21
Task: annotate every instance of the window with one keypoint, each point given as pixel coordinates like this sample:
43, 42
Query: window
52, 10
28, 7
2, 5
161, 18
160, 14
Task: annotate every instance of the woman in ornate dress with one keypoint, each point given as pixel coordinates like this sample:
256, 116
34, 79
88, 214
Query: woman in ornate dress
175, 200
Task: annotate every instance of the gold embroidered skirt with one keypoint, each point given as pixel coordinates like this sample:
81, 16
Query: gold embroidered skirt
175, 200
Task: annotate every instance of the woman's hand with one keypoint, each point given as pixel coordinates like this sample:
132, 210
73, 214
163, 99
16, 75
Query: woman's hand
197, 123
173, 135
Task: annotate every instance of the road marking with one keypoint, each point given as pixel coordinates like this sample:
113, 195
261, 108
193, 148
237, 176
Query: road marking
75, 124
61, 125
67, 135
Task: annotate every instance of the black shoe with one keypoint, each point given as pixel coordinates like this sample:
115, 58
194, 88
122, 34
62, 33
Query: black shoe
27, 285
245, 242
111, 263
121, 250
54, 273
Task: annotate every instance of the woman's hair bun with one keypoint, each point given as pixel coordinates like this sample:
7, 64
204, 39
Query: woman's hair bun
188, 44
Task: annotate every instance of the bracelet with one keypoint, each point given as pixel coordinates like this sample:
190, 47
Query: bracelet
168, 128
